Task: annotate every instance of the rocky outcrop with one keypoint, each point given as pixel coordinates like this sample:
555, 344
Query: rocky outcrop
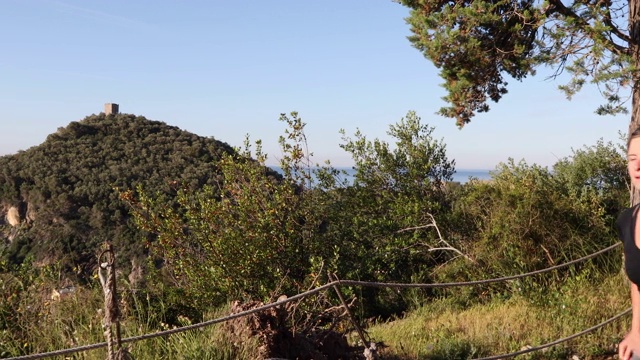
30, 214
12, 219
9, 221
13, 216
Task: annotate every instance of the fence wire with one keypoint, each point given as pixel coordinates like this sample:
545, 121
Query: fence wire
338, 283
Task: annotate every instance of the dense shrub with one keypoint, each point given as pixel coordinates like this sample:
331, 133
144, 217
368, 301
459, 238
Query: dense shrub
249, 236
253, 236
529, 218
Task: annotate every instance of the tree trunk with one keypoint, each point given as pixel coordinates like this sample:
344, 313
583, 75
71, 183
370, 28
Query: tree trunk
634, 47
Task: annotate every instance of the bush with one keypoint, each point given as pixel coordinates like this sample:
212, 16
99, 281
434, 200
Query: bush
528, 218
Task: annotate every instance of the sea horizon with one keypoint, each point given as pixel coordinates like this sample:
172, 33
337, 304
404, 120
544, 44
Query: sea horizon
461, 175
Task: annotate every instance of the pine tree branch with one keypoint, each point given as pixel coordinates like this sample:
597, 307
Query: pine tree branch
556, 6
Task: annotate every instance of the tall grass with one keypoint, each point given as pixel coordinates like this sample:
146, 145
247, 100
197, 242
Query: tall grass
442, 329
76, 320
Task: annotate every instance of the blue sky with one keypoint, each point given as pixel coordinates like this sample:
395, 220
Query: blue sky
229, 68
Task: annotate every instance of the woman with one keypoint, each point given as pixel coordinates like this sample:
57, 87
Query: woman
629, 233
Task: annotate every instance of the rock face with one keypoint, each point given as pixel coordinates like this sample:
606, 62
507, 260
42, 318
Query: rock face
11, 219
9, 215
13, 216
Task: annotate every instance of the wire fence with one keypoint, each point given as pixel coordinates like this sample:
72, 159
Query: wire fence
336, 284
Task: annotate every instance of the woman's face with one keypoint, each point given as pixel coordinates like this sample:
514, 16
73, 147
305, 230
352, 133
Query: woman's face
633, 161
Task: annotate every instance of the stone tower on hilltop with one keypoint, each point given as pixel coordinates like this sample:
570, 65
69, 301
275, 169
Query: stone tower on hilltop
111, 108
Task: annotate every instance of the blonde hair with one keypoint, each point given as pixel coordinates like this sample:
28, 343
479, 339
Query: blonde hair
634, 134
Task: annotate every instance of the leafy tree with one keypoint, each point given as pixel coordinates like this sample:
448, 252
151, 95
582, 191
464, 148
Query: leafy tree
397, 188
477, 43
398, 191
250, 236
253, 236
600, 169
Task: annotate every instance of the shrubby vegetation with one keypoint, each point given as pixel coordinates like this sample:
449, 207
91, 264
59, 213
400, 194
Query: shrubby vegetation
67, 188
218, 225
529, 218
252, 236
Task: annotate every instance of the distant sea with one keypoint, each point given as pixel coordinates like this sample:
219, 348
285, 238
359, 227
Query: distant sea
462, 175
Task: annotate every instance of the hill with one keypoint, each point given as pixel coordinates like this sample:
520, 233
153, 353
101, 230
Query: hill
59, 200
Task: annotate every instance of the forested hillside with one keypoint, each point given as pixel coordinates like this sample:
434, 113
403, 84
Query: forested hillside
59, 200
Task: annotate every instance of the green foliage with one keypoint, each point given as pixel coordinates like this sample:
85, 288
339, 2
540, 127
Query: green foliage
443, 329
533, 224
528, 218
455, 349
255, 236
477, 43
240, 230
397, 193
31, 322
598, 170
250, 236
66, 189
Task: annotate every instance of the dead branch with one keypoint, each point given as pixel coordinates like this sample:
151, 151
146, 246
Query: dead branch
441, 239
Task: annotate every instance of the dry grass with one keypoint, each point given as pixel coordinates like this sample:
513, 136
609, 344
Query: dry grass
442, 330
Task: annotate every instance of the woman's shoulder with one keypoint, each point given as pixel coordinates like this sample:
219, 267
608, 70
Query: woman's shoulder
626, 212
625, 217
